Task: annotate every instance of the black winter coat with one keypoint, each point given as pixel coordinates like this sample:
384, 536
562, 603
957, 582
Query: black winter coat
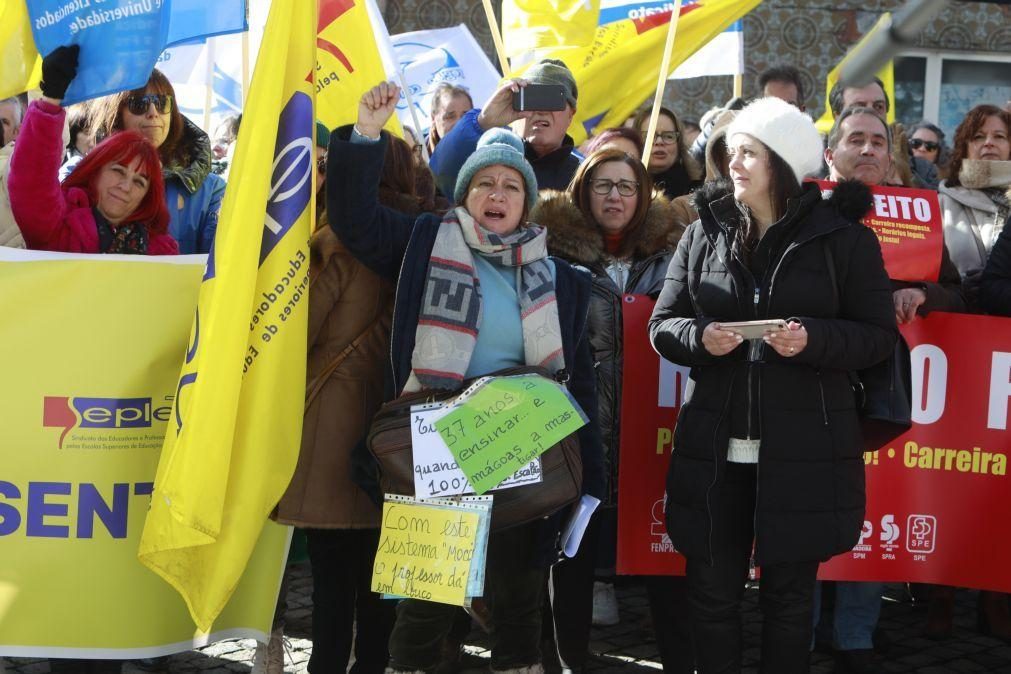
995, 283
574, 239
810, 498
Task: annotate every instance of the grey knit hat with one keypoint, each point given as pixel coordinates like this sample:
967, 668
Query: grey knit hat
553, 71
497, 146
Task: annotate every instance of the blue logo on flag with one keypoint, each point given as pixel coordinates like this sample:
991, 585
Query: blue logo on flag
292, 180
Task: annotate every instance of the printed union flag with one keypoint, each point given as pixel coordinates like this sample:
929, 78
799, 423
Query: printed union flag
120, 40
625, 56
235, 432
529, 25
348, 62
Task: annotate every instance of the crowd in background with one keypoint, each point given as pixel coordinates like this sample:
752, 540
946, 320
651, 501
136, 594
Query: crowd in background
542, 239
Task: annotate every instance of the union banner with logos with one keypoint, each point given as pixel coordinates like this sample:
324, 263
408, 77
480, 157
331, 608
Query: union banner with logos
92, 346
932, 495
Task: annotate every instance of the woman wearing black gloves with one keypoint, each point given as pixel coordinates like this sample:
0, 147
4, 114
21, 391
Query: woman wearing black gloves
767, 449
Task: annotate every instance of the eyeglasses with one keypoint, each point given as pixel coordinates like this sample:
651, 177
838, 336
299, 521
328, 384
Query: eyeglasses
626, 188
666, 138
321, 164
138, 105
928, 145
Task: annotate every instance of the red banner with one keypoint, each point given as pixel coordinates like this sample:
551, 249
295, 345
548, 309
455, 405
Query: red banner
651, 395
908, 224
938, 498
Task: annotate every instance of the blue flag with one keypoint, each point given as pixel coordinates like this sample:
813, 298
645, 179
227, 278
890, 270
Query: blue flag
121, 39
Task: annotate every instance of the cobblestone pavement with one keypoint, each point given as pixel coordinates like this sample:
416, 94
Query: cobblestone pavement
626, 647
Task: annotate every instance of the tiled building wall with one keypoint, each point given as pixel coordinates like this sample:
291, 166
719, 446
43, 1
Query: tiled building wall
812, 35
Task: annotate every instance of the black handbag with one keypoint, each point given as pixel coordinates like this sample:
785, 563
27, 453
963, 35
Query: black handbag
884, 391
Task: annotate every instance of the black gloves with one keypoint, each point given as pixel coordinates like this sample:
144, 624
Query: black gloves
58, 69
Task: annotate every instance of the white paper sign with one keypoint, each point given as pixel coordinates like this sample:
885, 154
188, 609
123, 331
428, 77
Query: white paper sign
435, 470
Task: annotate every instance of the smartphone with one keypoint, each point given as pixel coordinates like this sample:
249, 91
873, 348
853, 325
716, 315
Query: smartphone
755, 329
539, 97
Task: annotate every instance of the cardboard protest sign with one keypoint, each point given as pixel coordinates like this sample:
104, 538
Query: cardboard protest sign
426, 550
436, 472
500, 424
908, 225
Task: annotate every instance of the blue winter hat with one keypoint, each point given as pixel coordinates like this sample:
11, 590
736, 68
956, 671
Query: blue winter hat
497, 146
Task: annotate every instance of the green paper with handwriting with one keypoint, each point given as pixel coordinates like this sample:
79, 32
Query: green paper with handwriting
502, 423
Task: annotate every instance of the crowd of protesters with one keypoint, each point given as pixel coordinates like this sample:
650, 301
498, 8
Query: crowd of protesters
477, 249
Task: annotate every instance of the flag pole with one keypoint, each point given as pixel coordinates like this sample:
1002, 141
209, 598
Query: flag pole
414, 114
738, 85
496, 36
245, 66
661, 81
209, 91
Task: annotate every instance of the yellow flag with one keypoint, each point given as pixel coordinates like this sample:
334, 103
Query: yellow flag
348, 62
21, 65
548, 24
233, 439
618, 72
886, 75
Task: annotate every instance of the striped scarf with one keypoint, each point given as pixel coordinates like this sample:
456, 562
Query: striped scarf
450, 314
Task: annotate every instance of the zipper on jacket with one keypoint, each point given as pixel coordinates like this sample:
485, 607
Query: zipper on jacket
716, 468
396, 296
821, 389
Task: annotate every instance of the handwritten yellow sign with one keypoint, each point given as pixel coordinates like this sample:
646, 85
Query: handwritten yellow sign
425, 552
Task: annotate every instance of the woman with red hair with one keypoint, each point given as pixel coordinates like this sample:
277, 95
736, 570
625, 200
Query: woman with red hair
114, 202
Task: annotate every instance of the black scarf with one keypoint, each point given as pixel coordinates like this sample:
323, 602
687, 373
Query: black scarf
129, 238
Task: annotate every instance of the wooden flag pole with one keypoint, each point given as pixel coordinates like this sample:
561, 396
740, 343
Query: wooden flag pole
661, 81
738, 85
414, 114
245, 67
496, 36
209, 91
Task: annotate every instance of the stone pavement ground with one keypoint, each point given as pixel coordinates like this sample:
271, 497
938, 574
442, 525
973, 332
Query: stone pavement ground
626, 647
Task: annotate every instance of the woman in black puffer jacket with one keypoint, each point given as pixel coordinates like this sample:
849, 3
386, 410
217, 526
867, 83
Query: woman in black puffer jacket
767, 448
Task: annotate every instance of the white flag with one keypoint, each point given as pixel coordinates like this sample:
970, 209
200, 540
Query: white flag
428, 58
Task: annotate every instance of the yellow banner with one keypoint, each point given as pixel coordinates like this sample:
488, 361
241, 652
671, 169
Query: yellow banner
236, 425
21, 64
886, 75
347, 62
625, 57
542, 24
89, 375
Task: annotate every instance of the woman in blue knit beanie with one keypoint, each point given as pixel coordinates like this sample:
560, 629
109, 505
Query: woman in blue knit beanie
476, 293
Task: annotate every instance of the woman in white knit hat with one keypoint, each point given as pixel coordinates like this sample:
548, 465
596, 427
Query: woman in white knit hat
767, 463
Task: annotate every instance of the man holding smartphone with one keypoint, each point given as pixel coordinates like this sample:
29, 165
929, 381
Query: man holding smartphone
549, 149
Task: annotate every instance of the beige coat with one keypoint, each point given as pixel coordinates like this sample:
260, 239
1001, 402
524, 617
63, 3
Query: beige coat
971, 222
10, 235
350, 312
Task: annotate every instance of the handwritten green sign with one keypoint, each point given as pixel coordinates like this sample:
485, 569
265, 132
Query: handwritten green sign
502, 423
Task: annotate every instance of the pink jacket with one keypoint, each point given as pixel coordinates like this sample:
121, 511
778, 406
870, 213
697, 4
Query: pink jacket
49, 217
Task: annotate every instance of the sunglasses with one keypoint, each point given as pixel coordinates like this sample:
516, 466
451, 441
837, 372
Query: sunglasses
928, 145
321, 164
626, 188
138, 105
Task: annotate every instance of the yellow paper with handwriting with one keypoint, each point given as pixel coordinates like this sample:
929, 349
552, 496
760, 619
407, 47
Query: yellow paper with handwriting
425, 552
